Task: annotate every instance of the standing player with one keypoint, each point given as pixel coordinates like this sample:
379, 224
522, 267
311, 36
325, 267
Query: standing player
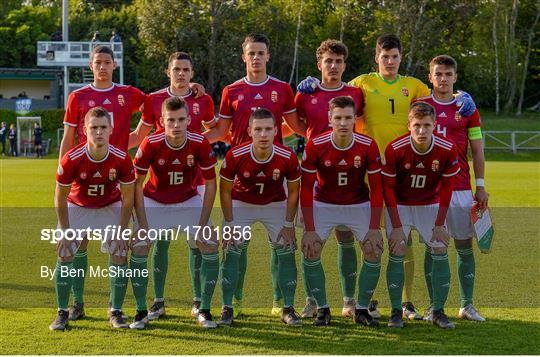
339, 161
94, 189
120, 101
201, 112
174, 156
38, 132
387, 97
462, 131
251, 190
238, 100
313, 110
418, 175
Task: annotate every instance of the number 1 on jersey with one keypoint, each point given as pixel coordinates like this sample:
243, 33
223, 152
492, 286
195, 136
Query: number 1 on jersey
391, 100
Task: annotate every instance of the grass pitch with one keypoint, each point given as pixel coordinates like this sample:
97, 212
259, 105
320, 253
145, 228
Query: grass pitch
507, 290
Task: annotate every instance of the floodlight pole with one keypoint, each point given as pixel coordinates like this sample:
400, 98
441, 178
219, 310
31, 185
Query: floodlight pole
65, 38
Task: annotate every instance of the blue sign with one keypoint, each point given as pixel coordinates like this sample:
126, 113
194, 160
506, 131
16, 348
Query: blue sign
23, 106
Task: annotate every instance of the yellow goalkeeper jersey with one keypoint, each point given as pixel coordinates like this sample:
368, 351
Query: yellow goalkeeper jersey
387, 105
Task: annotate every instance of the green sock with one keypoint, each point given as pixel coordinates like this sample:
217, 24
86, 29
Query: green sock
239, 292
62, 283
394, 280
466, 271
209, 276
314, 276
139, 279
287, 275
440, 280
367, 282
195, 261
229, 274
428, 267
348, 267
307, 290
160, 264
118, 284
79, 262
276, 292
408, 272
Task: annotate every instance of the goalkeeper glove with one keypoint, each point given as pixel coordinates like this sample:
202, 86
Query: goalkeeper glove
465, 103
308, 85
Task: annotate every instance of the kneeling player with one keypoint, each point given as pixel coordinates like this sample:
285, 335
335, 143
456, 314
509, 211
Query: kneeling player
338, 161
418, 176
170, 198
251, 190
87, 196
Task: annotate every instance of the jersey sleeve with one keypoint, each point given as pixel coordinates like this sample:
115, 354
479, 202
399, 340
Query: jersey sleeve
148, 113
142, 158
228, 167
299, 103
127, 173
309, 158
474, 132
421, 89
359, 100
71, 117
208, 115
225, 108
138, 98
289, 107
293, 169
374, 158
389, 163
452, 163
207, 160
65, 174
356, 82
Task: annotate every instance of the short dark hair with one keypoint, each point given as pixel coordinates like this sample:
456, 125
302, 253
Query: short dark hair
261, 113
255, 37
444, 60
174, 103
343, 101
98, 112
180, 56
419, 110
387, 42
333, 46
101, 49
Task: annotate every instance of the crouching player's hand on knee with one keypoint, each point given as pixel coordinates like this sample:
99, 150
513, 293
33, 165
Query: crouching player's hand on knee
372, 245
311, 245
397, 241
440, 235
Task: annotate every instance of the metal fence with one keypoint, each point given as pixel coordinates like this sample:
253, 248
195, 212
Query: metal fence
511, 140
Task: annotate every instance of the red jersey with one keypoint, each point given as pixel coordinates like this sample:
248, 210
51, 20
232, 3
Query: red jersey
455, 127
173, 170
200, 109
241, 98
94, 184
418, 174
341, 172
259, 182
313, 108
119, 100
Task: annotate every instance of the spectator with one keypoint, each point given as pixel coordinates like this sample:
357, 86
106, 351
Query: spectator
115, 37
3, 134
12, 140
96, 37
23, 95
38, 140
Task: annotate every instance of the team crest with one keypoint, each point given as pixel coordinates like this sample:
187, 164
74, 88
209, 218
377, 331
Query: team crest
91, 103
327, 163
60, 170
357, 161
275, 174
457, 116
313, 100
121, 100
240, 97
304, 156
274, 96
405, 91
435, 165
161, 162
196, 109
112, 174
190, 160
407, 166
139, 153
83, 175
246, 174
224, 164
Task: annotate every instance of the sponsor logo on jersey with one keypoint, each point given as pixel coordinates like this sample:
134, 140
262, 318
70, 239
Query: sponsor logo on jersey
275, 174
246, 174
176, 162
112, 174
121, 100
91, 103
106, 101
435, 165
190, 160
357, 161
342, 162
407, 166
258, 96
420, 166
314, 100
261, 174
274, 96
405, 91
457, 116
196, 109
60, 170
83, 175
327, 163
161, 162
240, 97
442, 115
97, 174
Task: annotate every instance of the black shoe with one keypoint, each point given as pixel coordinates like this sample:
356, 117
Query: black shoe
195, 307
440, 319
76, 311
140, 321
61, 321
396, 319
156, 310
204, 319
117, 319
363, 317
372, 309
289, 317
227, 314
409, 311
323, 317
